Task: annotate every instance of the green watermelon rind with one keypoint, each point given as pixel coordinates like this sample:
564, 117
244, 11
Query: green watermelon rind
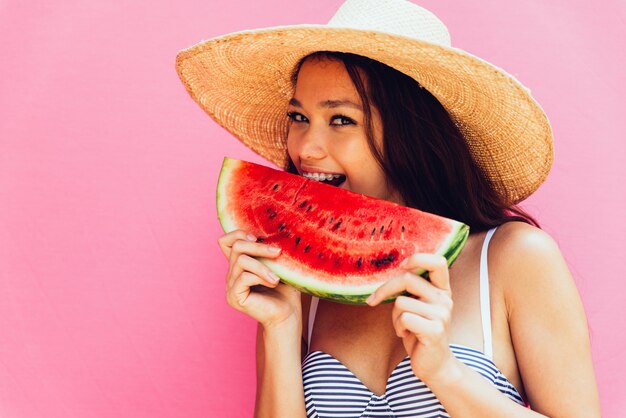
351, 294
226, 220
361, 293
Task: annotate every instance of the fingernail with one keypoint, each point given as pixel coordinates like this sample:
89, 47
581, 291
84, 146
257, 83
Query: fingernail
273, 278
251, 237
369, 299
273, 249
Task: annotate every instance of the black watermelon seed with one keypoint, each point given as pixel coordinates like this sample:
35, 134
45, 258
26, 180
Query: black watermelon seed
272, 215
391, 257
303, 204
275, 186
402, 228
297, 240
260, 239
307, 248
337, 225
359, 262
320, 255
309, 208
382, 228
377, 263
281, 227
373, 231
330, 221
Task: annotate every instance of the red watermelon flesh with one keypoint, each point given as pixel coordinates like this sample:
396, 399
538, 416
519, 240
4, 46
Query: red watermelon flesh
336, 244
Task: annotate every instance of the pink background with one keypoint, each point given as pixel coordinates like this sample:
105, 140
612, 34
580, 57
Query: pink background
111, 281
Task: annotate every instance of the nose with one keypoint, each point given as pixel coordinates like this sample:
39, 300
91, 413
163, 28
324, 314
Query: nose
311, 144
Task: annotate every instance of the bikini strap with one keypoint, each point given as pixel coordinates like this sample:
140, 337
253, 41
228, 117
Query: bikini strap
485, 306
312, 311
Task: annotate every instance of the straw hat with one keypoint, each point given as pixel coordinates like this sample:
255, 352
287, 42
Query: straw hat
243, 81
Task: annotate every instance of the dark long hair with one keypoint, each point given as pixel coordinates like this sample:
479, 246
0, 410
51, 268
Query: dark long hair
424, 157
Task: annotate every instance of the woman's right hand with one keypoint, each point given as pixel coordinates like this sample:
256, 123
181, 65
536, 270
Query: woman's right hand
250, 285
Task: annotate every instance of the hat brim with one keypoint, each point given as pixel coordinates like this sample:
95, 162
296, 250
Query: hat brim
243, 81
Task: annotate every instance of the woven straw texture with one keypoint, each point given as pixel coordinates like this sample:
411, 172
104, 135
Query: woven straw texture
243, 81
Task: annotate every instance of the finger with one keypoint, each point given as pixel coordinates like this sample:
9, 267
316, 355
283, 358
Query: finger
424, 329
436, 265
251, 265
415, 285
226, 241
436, 312
418, 309
254, 249
238, 294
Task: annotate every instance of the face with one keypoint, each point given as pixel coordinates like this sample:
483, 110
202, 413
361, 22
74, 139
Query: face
327, 140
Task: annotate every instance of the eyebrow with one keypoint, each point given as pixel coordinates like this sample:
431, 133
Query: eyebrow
329, 103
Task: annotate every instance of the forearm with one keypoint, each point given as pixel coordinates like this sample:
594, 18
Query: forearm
465, 393
280, 390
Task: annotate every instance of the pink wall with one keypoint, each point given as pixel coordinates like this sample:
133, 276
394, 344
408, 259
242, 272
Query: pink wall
111, 282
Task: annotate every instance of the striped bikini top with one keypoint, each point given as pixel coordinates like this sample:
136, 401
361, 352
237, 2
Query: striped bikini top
332, 390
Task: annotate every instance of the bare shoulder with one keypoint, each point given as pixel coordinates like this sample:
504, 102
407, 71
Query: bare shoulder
524, 256
517, 240
528, 267
546, 321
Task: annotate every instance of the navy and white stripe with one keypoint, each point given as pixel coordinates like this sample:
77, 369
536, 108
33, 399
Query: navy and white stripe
332, 390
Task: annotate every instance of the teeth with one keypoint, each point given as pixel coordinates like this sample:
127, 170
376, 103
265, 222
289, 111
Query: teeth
320, 176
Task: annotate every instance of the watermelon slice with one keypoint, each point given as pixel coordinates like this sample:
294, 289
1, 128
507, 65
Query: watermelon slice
336, 244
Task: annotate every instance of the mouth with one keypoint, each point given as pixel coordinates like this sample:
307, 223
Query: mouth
334, 179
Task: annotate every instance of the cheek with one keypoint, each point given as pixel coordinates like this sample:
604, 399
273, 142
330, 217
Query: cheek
291, 149
363, 171
349, 149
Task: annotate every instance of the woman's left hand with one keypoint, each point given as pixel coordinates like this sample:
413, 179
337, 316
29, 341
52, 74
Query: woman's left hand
422, 321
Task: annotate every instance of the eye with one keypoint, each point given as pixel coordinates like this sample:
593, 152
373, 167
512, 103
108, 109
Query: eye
340, 120
296, 117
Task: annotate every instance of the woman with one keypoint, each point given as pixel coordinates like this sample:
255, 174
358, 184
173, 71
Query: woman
503, 328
